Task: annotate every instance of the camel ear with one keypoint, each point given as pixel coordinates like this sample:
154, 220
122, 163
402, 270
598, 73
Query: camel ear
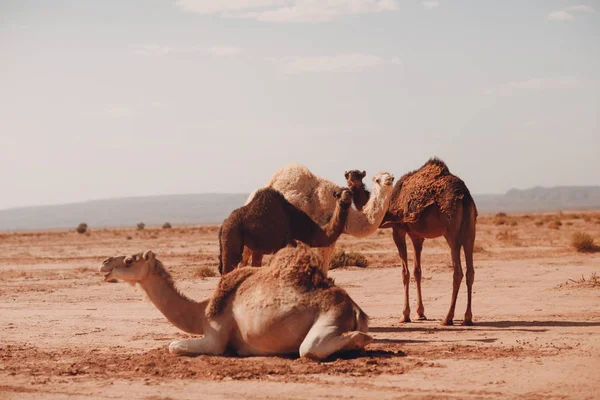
364, 173
337, 194
375, 179
148, 255
346, 173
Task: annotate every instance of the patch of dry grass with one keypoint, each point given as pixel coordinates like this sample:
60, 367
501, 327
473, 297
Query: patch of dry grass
592, 282
583, 242
204, 272
556, 224
352, 259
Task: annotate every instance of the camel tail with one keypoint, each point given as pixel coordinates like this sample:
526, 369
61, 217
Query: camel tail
469, 221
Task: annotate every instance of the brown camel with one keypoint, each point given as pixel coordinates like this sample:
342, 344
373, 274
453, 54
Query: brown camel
428, 203
269, 223
360, 194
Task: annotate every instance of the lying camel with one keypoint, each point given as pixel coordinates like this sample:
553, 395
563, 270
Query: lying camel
288, 308
269, 223
310, 193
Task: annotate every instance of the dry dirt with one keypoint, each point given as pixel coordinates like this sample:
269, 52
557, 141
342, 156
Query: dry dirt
66, 334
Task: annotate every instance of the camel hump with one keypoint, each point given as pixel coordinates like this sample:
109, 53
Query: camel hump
227, 285
300, 267
431, 184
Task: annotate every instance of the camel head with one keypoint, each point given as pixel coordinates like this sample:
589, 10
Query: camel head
384, 180
131, 269
344, 196
354, 178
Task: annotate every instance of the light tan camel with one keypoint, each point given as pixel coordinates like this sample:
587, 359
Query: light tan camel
312, 194
288, 308
428, 203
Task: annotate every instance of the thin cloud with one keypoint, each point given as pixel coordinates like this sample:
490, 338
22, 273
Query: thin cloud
287, 10
564, 14
431, 4
512, 88
353, 62
224, 51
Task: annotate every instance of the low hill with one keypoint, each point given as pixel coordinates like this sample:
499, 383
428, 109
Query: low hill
192, 209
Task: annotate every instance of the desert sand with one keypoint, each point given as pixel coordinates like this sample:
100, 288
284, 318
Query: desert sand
64, 333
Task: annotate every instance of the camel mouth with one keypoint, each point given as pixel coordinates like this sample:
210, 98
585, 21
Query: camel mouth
388, 182
108, 279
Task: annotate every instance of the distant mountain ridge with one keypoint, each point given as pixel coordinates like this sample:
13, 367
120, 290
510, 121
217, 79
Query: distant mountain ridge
194, 209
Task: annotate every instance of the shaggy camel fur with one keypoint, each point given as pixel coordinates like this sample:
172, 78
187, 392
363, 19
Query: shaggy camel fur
310, 193
360, 194
289, 308
428, 203
269, 223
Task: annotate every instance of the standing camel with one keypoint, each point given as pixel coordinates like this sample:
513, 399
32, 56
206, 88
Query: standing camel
288, 308
360, 194
269, 223
428, 203
312, 194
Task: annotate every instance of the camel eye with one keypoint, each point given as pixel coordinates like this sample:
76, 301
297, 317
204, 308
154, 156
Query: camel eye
129, 260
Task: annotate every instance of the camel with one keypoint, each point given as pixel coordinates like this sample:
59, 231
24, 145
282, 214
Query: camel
360, 194
269, 223
310, 193
288, 308
428, 203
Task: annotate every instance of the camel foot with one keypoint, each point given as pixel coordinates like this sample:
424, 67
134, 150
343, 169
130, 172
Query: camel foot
359, 341
447, 322
422, 318
468, 323
178, 348
406, 319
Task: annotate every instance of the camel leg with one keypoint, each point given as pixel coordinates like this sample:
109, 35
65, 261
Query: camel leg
400, 240
206, 345
455, 246
246, 254
418, 247
470, 275
326, 254
325, 338
256, 259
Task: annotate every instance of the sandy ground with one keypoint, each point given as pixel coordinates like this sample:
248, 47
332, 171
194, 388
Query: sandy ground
66, 334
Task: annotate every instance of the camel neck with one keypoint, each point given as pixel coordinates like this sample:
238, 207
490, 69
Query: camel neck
365, 222
184, 313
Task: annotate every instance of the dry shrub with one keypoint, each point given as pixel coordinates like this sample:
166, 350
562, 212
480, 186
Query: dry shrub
587, 218
501, 215
343, 259
507, 236
539, 223
556, 224
513, 223
478, 248
141, 226
568, 223
583, 242
204, 272
166, 225
129, 238
592, 282
575, 216
81, 228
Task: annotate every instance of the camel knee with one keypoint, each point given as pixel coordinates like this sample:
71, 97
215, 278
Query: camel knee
458, 275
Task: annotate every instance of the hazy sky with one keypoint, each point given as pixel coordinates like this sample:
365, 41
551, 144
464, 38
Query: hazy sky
120, 98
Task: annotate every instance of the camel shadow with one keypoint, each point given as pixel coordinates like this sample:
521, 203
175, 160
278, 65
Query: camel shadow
402, 341
350, 355
540, 324
412, 328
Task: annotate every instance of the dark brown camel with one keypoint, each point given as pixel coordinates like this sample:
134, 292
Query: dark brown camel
428, 203
269, 223
360, 194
